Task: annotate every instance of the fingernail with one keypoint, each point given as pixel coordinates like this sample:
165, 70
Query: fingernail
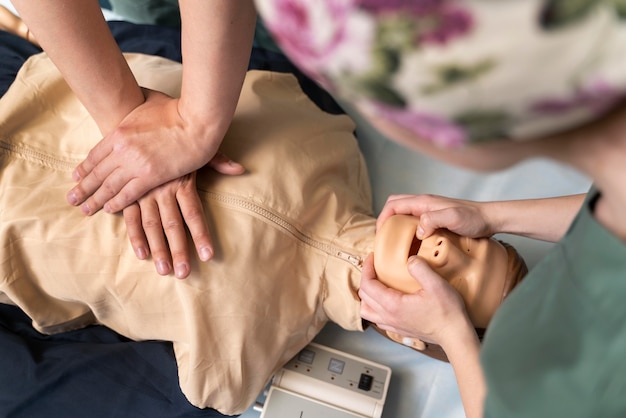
420, 232
141, 253
181, 270
107, 208
76, 176
85, 209
163, 267
72, 198
205, 253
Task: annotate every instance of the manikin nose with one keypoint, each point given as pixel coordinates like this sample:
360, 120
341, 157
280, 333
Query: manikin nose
436, 250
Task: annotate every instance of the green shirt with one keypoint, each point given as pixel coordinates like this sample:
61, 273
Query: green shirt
557, 347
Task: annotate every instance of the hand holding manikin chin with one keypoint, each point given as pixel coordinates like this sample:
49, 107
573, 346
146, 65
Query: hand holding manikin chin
482, 270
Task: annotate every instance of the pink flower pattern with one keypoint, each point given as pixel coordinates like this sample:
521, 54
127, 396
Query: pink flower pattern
438, 130
597, 96
365, 50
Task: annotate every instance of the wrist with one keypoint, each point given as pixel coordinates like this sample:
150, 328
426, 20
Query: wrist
207, 128
492, 214
460, 339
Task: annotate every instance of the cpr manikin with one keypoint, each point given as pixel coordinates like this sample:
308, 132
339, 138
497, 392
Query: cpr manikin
290, 235
482, 270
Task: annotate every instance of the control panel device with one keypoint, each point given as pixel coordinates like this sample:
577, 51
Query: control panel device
321, 382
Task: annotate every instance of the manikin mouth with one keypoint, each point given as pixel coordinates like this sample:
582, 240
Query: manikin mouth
415, 246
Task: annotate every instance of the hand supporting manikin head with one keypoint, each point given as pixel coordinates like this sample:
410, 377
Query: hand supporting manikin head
482, 270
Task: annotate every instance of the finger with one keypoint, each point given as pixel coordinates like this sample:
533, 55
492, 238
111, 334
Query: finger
176, 234
111, 187
431, 221
376, 296
96, 155
395, 197
126, 194
222, 164
375, 312
105, 195
152, 227
93, 182
136, 235
368, 313
368, 274
193, 214
403, 205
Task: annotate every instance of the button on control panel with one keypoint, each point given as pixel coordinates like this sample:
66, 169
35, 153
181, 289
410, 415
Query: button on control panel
365, 382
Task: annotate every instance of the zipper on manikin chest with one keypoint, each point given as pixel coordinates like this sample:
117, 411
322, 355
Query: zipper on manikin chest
48, 160
329, 249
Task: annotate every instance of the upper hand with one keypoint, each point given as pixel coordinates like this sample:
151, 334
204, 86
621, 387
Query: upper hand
464, 217
152, 145
432, 314
156, 225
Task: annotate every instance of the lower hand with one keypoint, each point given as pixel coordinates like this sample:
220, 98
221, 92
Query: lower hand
156, 225
433, 314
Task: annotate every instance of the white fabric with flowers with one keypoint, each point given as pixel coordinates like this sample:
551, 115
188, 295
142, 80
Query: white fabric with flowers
457, 71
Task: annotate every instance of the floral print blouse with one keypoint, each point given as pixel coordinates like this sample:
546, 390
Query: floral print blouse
455, 71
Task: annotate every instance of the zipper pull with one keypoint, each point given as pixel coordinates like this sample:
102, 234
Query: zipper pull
352, 259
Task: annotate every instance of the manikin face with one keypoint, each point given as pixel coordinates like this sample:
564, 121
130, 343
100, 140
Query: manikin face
476, 268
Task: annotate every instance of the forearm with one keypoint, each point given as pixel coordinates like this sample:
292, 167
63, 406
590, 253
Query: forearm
463, 354
216, 43
76, 37
544, 219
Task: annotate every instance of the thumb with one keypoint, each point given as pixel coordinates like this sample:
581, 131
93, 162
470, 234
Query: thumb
224, 165
431, 221
423, 273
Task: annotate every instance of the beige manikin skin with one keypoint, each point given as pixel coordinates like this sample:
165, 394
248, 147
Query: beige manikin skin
469, 265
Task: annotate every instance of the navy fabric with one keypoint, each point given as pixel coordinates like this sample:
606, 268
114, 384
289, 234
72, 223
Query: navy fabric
13, 52
92, 372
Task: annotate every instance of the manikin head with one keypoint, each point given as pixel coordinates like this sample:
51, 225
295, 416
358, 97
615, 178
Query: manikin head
482, 270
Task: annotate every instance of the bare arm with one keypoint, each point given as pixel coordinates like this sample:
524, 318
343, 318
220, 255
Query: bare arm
463, 355
544, 219
216, 45
76, 37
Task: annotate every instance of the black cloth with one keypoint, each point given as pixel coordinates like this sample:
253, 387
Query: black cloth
92, 372
95, 372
